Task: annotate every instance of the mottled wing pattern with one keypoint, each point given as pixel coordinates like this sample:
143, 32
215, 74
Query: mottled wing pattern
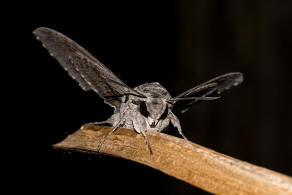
83, 67
211, 88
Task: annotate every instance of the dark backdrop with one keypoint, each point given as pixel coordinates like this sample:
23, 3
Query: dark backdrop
177, 43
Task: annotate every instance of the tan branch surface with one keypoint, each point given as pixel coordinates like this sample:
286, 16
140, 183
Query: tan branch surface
184, 160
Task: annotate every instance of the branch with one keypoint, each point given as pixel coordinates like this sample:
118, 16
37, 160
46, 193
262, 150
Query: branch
182, 159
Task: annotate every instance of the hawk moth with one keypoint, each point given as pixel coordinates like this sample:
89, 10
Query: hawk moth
146, 107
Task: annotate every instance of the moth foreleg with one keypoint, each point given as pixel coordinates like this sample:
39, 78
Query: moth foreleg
108, 134
147, 142
174, 120
140, 126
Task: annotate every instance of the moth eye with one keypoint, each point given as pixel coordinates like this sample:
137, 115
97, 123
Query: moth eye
135, 102
143, 109
165, 113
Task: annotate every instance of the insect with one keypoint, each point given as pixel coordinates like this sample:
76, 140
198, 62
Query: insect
148, 107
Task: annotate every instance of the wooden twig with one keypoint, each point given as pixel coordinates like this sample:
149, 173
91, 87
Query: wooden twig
192, 163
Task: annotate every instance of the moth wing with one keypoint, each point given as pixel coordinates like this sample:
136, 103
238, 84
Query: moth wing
90, 73
211, 88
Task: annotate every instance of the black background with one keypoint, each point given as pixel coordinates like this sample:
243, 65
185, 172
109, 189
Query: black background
177, 43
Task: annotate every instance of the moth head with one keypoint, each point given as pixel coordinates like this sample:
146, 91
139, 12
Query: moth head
154, 109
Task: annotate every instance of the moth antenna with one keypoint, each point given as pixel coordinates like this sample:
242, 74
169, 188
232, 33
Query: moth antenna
133, 92
173, 100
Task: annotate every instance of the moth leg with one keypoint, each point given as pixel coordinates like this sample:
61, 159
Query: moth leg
147, 142
99, 122
108, 134
139, 126
174, 120
113, 120
163, 124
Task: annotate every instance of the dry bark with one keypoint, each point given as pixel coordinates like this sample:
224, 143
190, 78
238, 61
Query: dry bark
182, 159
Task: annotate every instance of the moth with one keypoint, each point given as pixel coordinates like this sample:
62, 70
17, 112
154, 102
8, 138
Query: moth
147, 107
